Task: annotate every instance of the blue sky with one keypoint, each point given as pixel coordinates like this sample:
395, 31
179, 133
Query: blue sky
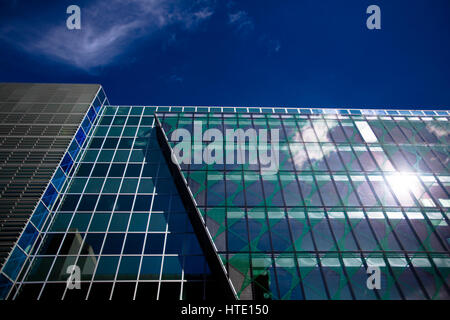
306, 53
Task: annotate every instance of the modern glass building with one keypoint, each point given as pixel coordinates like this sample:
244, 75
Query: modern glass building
37, 125
353, 190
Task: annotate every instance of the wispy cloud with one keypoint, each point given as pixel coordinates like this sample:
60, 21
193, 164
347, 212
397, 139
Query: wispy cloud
107, 29
175, 78
272, 46
244, 24
241, 21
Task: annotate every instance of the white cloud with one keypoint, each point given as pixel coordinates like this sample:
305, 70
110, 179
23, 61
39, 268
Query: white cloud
107, 28
439, 132
308, 133
241, 21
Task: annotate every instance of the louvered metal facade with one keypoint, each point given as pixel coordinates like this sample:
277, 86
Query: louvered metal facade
37, 123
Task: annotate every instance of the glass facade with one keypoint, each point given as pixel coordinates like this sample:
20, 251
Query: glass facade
37, 126
354, 189
121, 220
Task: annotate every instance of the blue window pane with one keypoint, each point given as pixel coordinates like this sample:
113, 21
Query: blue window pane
113, 243
116, 170
91, 114
161, 203
188, 243
165, 185
93, 242
172, 268
176, 204
138, 222
129, 186
194, 267
179, 223
58, 179
133, 170
126, 143
154, 243
146, 121
329, 111
124, 203
101, 95
87, 203
106, 203
61, 222
100, 222
70, 202
106, 269
137, 111
74, 149
142, 203
158, 222
150, 268
98, 102
134, 243
50, 196
119, 222
80, 222
111, 185
235, 240
15, 262
67, 163
28, 238
106, 120
110, 143
96, 143
80, 136
84, 169
100, 170
39, 215
86, 125
133, 121
97, 109
150, 110
129, 268
5, 286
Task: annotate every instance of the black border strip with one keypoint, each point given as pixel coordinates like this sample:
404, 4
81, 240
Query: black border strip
204, 237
